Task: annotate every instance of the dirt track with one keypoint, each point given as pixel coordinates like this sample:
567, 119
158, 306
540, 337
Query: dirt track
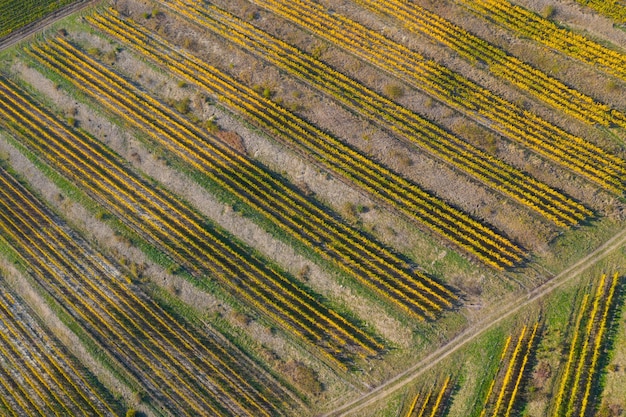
41, 24
502, 312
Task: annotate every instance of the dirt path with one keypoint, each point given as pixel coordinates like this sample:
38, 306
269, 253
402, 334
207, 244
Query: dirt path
501, 313
41, 24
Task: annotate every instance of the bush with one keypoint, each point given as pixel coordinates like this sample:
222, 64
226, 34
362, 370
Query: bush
548, 11
183, 106
393, 91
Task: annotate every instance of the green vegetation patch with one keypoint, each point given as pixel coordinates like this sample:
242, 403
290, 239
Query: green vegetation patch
18, 13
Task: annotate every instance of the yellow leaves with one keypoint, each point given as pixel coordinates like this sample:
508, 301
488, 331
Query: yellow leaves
581, 368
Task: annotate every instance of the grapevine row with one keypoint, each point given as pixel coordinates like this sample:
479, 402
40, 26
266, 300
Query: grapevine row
530, 24
393, 190
180, 232
609, 8
263, 287
48, 265
373, 264
69, 387
130, 315
508, 119
501, 403
433, 404
16, 14
581, 371
544, 87
408, 125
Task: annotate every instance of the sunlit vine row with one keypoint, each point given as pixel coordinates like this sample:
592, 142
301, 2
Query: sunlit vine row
508, 119
509, 379
159, 216
365, 259
76, 394
541, 85
612, 9
581, 373
433, 404
530, 24
410, 126
374, 178
46, 262
16, 14
134, 308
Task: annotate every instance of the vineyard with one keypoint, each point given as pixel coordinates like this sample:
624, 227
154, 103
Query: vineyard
589, 339
312, 207
431, 403
39, 377
527, 23
17, 14
504, 389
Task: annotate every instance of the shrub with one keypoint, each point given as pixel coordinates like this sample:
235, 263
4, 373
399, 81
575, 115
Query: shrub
393, 91
548, 11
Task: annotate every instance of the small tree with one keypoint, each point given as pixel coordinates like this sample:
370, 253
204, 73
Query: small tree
393, 91
548, 11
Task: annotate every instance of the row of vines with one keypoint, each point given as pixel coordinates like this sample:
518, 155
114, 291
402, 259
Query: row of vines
587, 353
527, 23
370, 262
406, 124
179, 370
538, 83
390, 188
506, 118
37, 375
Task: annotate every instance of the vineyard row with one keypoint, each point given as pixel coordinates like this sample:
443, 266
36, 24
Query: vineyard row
527, 23
541, 85
407, 125
391, 189
193, 374
506, 118
382, 270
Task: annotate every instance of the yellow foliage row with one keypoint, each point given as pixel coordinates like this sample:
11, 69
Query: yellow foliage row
506, 118
52, 146
581, 370
199, 75
270, 291
84, 305
71, 397
426, 408
502, 404
609, 8
530, 24
350, 247
462, 155
394, 190
546, 88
